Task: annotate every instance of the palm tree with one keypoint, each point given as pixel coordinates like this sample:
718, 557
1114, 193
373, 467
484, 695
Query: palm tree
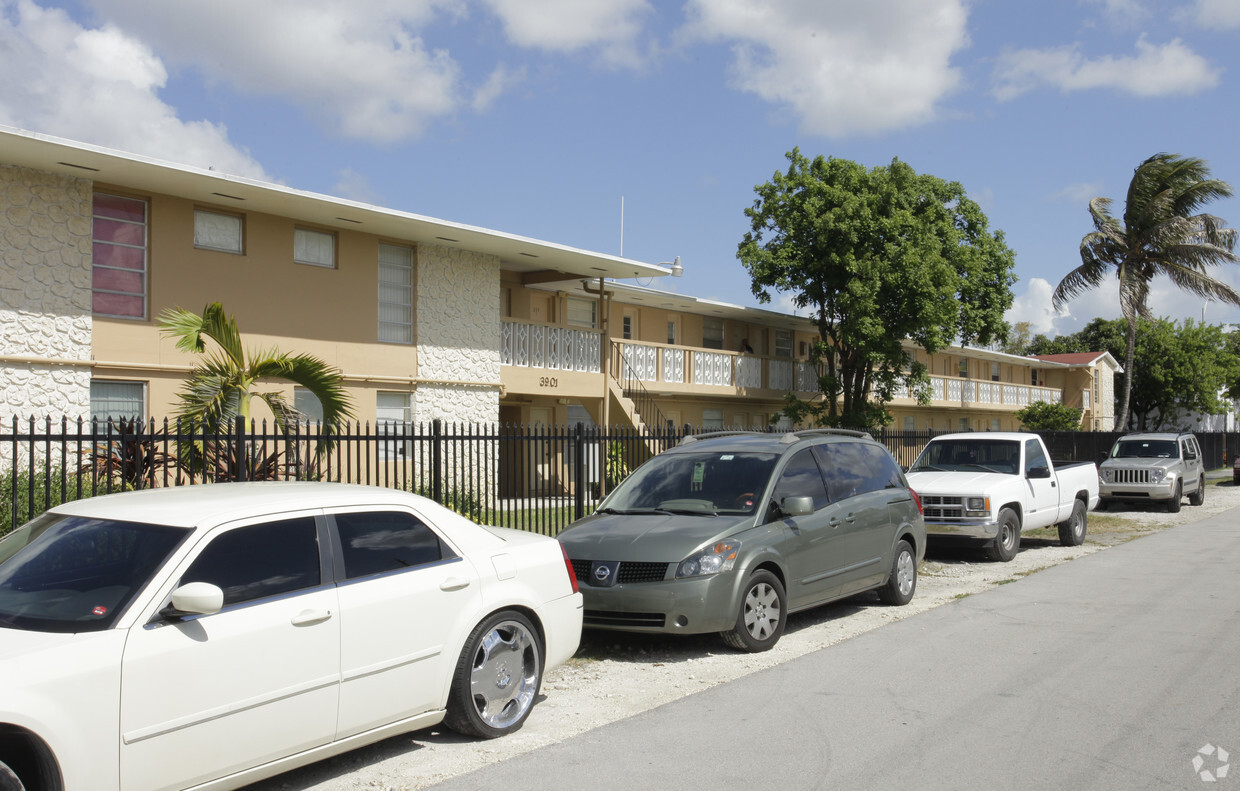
222, 388
1159, 235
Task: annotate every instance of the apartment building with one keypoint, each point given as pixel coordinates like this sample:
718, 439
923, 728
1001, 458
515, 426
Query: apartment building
427, 319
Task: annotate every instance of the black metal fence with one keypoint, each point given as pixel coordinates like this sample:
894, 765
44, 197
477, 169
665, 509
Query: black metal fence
537, 478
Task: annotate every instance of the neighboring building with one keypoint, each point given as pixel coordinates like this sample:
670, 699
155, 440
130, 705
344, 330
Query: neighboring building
1087, 380
427, 319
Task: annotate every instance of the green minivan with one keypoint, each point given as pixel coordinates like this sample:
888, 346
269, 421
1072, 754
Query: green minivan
730, 532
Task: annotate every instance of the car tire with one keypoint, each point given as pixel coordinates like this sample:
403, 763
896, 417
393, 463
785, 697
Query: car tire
1173, 505
761, 615
1007, 543
1072, 530
902, 583
497, 677
1198, 497
9, 781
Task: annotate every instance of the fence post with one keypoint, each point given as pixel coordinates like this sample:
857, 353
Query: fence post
437, 461
579, 473
239, 456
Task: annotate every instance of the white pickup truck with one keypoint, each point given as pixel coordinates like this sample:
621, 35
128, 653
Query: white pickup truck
991, 486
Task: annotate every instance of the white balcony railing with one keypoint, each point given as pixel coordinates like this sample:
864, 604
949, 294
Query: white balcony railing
555, 348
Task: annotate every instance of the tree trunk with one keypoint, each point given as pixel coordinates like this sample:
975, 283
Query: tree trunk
1121, 419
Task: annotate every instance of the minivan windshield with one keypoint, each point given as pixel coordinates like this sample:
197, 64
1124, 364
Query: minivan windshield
698, 483
77, 574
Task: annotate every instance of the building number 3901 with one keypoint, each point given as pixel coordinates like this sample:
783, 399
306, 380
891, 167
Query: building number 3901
548, 381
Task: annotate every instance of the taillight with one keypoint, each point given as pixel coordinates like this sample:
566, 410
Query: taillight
917, 499
572, 575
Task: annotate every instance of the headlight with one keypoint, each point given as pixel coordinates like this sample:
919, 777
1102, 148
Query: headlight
712, 560
977, 503
1158, 475
1107, 476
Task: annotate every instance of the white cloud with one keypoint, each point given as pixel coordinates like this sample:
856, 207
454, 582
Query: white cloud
1123, 14
1212, 14
843, 67
361, 69
613, 27
1167, 70
500, 81
1081, 192
100, 86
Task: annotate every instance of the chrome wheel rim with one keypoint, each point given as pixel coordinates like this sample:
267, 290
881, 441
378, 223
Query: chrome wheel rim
762, 611
504, 678
1009, 536
905, 573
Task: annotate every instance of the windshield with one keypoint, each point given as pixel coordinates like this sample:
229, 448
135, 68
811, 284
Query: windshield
982, 455
77, 574
704, 483
1145, 449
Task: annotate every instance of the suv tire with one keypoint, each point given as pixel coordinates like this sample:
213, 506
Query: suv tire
761, 616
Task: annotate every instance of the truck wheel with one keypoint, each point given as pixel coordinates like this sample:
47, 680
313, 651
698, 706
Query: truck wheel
1072, 531
903, 580
1198, 497
1007, 543
1173, 505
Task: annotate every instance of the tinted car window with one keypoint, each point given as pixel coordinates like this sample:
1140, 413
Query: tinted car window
802, 478
258, 561
1034, 455
374, 542
75, 574
853, 468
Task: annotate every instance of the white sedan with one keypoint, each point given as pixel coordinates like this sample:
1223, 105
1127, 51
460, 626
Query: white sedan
209, 636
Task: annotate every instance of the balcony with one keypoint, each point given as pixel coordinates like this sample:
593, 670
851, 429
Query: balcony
527, 345
949, 391
681, 369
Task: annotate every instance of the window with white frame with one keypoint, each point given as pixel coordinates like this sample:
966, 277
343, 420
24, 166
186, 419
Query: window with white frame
783, 343
308, 405
116, 400
216, 231
316, 248
118, 265
582, 313
395, 294
712, 332
393, 414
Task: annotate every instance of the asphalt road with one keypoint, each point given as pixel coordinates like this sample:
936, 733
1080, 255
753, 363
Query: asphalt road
1113, 671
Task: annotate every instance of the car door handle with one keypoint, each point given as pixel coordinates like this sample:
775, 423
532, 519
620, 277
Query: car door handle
453, 584
311, 617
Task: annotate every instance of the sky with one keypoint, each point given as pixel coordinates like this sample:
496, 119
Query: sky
641, 127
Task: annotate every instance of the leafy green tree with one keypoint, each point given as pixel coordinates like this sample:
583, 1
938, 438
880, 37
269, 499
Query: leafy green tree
1018, 339
878, 257
1044, 416
1158, 235
1180, 368
223, 386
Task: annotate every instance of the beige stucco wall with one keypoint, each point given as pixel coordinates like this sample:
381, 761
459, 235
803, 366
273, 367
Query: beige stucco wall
45, 296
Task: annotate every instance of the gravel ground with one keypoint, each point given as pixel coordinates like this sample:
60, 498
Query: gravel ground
615, 675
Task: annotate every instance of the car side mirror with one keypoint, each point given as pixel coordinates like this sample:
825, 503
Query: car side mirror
1038, 472
797, 506
195, 598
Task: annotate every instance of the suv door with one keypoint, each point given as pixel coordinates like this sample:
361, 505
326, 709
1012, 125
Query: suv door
809, 543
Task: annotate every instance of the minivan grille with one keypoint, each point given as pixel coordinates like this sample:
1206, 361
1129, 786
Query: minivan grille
629, 572
650, 620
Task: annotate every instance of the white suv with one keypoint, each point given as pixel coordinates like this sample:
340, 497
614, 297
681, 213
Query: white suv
1143, 468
